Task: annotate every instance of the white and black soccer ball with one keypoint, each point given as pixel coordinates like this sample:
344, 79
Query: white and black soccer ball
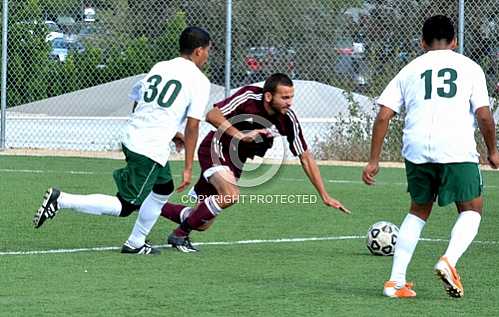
382, 237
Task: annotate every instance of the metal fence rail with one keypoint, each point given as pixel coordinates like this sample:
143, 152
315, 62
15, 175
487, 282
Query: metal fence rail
71, 63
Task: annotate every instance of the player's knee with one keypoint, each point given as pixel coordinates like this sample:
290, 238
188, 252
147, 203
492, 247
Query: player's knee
126, 208
229, 197
163, 189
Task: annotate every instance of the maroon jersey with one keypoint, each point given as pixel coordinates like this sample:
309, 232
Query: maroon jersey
245, 110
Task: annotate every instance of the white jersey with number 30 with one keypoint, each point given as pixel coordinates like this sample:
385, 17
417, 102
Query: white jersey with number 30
440, 90
172, 91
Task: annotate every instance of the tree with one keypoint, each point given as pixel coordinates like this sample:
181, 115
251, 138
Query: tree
28, 55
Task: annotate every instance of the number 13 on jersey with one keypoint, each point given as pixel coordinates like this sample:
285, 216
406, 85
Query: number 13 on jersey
448, 90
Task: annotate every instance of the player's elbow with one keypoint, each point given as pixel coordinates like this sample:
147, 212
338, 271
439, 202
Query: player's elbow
484, 116
305, 156
192, 126
385, 114
212, 115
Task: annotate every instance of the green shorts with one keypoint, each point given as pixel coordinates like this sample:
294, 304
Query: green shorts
452, 182
136, 180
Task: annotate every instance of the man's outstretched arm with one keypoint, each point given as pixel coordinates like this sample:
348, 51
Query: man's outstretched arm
314, 175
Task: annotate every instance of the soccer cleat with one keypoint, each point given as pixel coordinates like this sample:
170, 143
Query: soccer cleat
145, 249
182, 244
449, 277
393, 290
49, 207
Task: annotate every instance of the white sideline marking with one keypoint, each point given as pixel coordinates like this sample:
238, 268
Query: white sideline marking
7, 170
289, 240
335, 181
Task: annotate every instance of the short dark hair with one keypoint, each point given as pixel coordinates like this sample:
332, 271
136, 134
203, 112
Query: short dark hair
438, 27
193, 37
275, 80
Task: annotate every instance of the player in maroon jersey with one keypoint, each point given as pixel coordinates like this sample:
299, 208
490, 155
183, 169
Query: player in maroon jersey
244, 122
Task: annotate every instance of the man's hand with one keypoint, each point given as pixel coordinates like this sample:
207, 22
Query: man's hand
371, 169
494, 160
331, 202
187, 176
254, 135
178, 139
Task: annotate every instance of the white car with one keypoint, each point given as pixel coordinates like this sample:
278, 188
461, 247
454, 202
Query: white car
54, 31
89, 14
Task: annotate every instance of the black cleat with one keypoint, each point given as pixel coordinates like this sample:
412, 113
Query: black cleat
49, 207
145, 249
182, 244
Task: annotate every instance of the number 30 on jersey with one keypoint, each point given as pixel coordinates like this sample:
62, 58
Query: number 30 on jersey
168, 93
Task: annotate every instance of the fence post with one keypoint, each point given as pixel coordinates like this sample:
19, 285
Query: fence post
228, 46
460, 31
4, 74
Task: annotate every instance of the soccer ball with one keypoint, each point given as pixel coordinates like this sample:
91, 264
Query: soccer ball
382, 237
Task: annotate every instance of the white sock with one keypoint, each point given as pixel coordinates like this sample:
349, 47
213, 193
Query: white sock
95, 204
462, 234
148, 214
213, 206
409, 233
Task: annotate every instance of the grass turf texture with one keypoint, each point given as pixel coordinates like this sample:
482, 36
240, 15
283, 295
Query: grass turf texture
322, 278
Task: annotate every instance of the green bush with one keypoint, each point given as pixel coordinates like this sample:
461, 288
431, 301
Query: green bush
349, 138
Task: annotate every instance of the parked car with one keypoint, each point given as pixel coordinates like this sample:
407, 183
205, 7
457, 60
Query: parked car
54, 30
263, 60
355, 69
61, 48
351, 46
351, 62
89, 14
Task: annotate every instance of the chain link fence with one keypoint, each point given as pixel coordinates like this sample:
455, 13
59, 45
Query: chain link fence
72, 63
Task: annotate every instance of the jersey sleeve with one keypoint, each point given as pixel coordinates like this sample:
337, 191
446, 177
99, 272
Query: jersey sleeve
235, 104
294, 134
136, 92
199, 100
479, 94
392, 97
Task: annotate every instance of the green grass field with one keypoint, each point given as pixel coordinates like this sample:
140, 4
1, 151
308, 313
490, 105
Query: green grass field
309, 278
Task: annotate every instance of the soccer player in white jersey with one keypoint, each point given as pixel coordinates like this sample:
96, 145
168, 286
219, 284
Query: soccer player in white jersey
172, 92
444, 94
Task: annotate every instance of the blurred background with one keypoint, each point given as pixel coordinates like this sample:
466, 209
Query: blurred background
72, 63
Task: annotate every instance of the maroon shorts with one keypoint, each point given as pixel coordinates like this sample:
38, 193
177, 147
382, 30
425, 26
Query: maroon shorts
209, 156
